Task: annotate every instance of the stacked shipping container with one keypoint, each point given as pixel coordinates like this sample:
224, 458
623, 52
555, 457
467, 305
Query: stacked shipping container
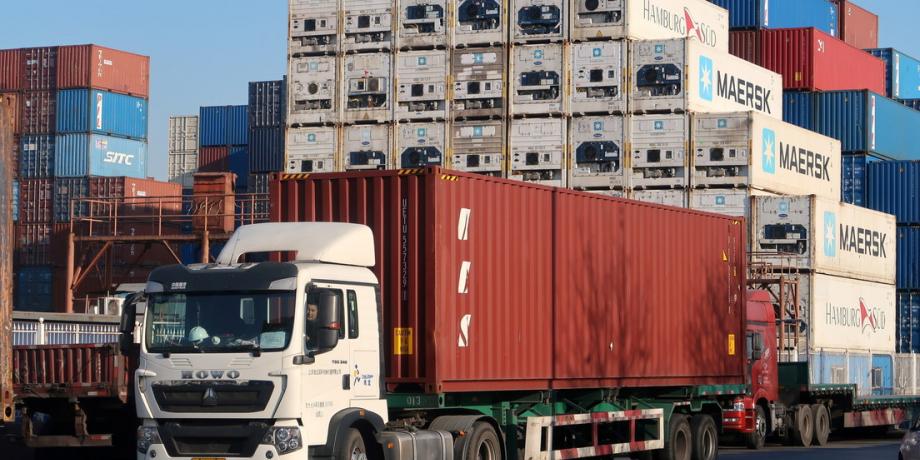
224, 141
266, 126
183, 150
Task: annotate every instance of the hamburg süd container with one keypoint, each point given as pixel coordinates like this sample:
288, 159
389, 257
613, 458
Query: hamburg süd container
363, 146
903, 73
479, 22
858, 26
825, 236
93, 66
96, 155
11, 67
748, 149
659, 151
478, 76
183, 134
422, 24
101, 112
537, 75
908, 263
33, 289
313, 27
224, 125
36, 156
811, 60
478, 146
650, 20
854, 186
894, 187
598, 77
39, 71
682, 75
436, 227
266, 149
35, 200
598, 153
267, 103
313, 92
773, 14
539, 20
538, 150
37, 109
312, 149
420, 145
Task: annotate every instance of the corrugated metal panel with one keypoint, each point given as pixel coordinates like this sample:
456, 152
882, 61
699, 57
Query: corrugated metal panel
908, 322
799, 109
11, 66
101, 112
39, 68
35, 200
33, 244
36, 156
224, 125
894, 188
420, 252
854, 186
92, 66
183, 134
214, 159
775, 14
38, 112
858, 26
266, 103
903, 73
182, 167
745, 44
908, 261
141, 196
842, 368
77, 371
67, 189
94, 155
266, 149
912, 103
239, 165
33, 289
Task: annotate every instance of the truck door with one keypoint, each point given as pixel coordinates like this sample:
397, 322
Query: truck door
327, 382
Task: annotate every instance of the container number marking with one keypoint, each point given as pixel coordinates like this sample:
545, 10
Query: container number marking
403, 342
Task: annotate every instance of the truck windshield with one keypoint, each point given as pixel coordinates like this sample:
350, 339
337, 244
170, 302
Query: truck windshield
201, 322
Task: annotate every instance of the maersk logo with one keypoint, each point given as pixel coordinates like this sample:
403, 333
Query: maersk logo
421, 132
659, 125
737, 90
598, 125
477, 131
720, 200
862, 241
705, 78
830, 234
769, 151
119, 158
596, 52
311, 137
478, 58
538, 54
422, 60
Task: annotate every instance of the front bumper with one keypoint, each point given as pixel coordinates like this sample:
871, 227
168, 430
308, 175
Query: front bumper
739, 421
263, 452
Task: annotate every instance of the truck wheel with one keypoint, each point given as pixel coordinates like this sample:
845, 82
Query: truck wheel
353, 449
680, 442
757, 438
705, 438
483, 443
822, 422
804, 430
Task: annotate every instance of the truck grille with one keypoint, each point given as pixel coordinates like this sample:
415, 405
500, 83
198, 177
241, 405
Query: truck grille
214, 396
224, 438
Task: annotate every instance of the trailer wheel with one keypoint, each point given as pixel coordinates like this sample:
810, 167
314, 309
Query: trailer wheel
705, 437
483, 443
804, 429
354, 448
822, 422
679, 445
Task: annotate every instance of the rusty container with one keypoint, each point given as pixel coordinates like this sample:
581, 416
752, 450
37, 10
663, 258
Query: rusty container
7, 237
214, 202
93, 66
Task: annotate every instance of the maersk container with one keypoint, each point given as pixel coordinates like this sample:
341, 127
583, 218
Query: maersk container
908, 322
658, 151
903, 73
421, 85
267, 103
479, 23
368, 96
367, 25
825, 236
774, 14
36, 156
422, 23
650, 20
311, 149
748, 149
479, 87
478, 146
101, 112
266, 149
858, 26
313, 92
683, 75
537, 74
183, 134
894, 187
224, 125
854, 185
37, 112
731, 202
555, 248
67, 189
420, 145
78, 155
34, 289
909, 258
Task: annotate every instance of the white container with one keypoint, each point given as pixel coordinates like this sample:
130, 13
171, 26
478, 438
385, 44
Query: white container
313, 27
182, 168
367, 93
478, 82
598, 84
611, 193
826, 236
747, 149
422, 24
310, 150
683, 75
479, 22
312, 90
421, 85
676, 198
539, 20
183, 134
598, 146
734, 202
478, 146
658, 146
537, 79
366, 147
421, 145
538, 150
368, 25
650, 20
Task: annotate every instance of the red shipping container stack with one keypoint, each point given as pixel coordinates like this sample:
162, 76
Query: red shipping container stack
858, 26
39, 68
140, 196
11, 70
811, 60
92, 66
37, 109
214, 159
36, 198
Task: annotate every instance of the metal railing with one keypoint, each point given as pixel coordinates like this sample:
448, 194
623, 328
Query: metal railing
34, 329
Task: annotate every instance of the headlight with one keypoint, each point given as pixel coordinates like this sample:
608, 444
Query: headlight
147, 436
284, 438
738, 406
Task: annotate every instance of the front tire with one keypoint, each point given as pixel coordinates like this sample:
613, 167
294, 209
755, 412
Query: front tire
483, 443
705, 438
822, 422
757, 439
353, 448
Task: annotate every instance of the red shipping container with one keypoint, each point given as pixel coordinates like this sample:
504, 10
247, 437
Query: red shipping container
811, 60
745, 44
146, 197
76, 371
93, 66
214, 202
11, 65
36, 201
39, 68
214, 159
858, 26
38, 112
34, 245
547, 298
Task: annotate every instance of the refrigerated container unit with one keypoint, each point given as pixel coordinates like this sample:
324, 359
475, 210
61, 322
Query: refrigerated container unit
858, 26
36, 156
39, 71
598, 82
684, 75
902, 73
368, 25
34, 289
748, 149
367, 88
479, 23
854, 185
97, 155
183, 134
893, 187
539, 20
658, 145
775, 14
311, 149
421, 85
420, 145
675, 197
36, 197
422, 24
598, 146
478, 77
478, 146
66, 190
645, 20
824, 236
538, 150
181, 168
313, 27
37, 109
223, 125
267, 103
98, 67
611, 193
734, 202
313, 93
101, 112
537, 74
366, 147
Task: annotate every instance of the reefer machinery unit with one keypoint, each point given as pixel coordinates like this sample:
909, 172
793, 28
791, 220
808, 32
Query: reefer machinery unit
311, 149
313, 90
367, 25
421, 85
598, 146
422, 24
366, 147
598, 81
478, 77
479, 22
420, 145
367, 87
313, 27
537, 79
539, 20
538, 150
478, 146
659, 151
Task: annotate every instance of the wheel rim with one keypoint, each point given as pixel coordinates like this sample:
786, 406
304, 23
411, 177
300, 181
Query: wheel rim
761, 427
485, 451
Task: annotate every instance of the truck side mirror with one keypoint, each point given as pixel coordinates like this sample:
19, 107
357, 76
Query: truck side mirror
126, 326
330, 321
757, 348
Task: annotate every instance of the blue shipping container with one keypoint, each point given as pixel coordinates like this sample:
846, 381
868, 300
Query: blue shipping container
239, 164
34, 288
266, 103
266, 149
66, 189
853, 187
831, 367
908, 330
894, 188
101, 112
36, 156
79, 155
799, 109
912, 103
779, 14
903, 73
223, 126
908, 258
882, 375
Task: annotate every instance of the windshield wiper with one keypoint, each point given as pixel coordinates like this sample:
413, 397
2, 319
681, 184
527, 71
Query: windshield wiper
248, 346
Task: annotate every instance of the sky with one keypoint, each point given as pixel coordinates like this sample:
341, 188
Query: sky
204, 52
